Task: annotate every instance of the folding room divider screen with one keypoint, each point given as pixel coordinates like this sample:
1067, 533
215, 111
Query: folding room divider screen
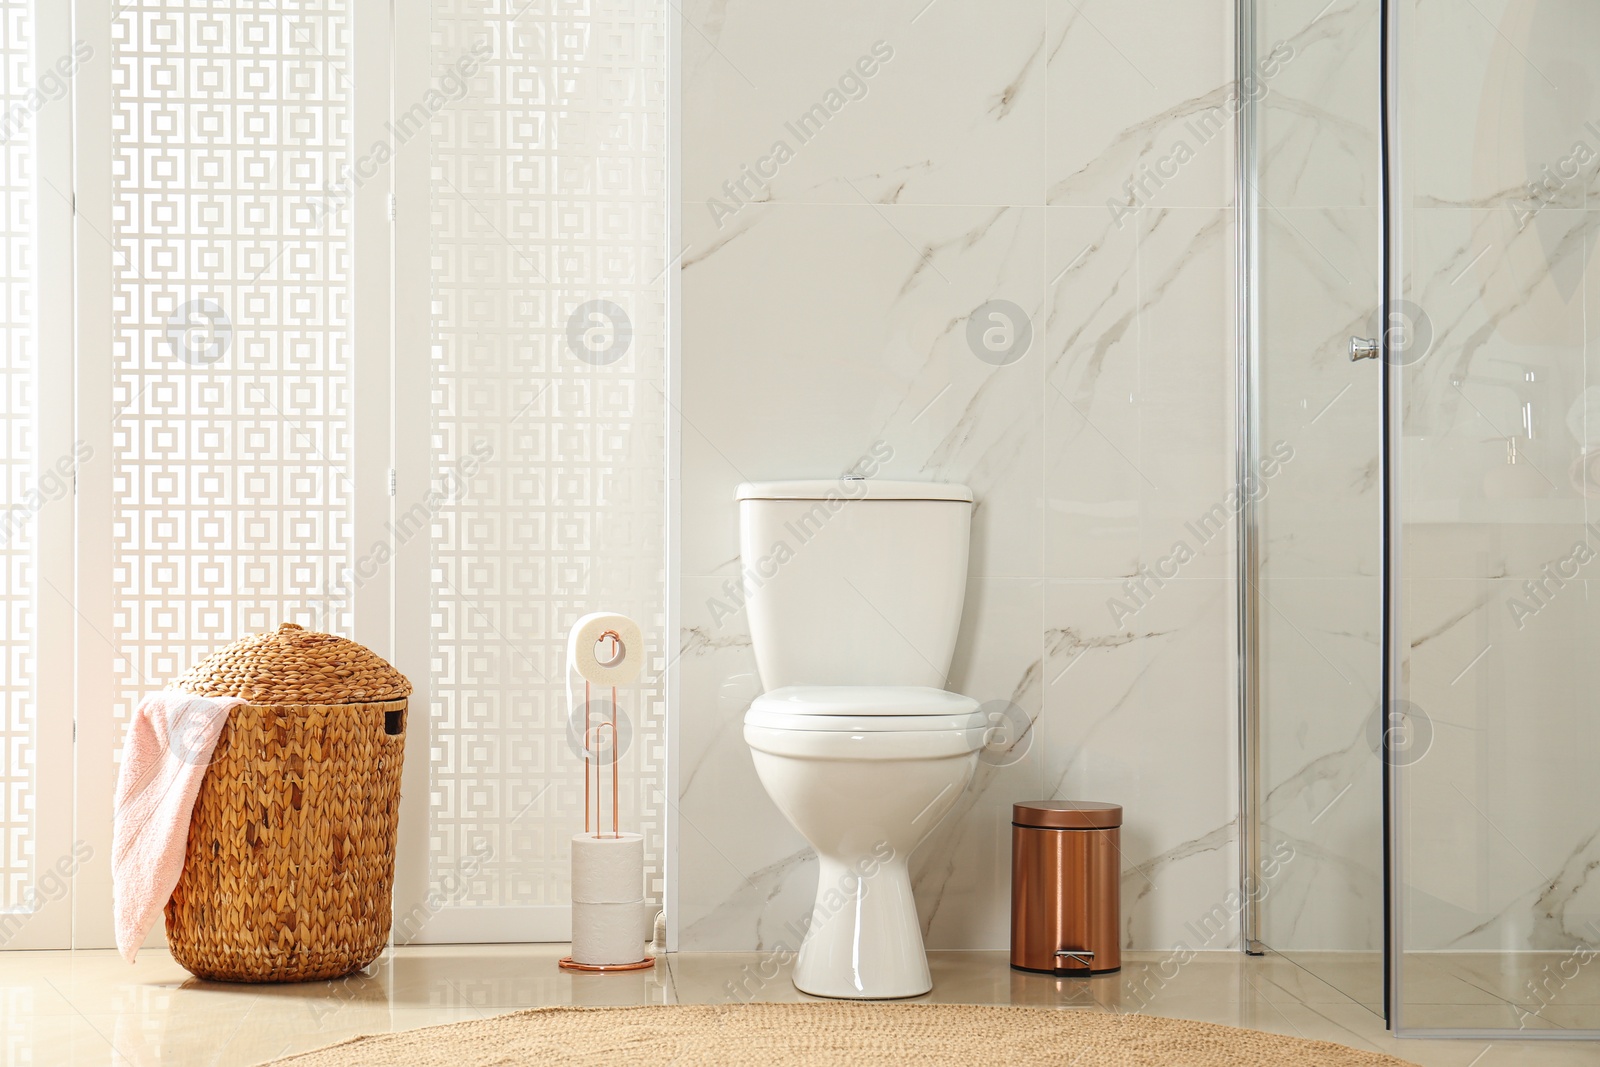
345, 313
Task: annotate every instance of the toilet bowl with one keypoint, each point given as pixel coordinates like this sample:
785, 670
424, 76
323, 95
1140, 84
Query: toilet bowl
865, 774
854, 603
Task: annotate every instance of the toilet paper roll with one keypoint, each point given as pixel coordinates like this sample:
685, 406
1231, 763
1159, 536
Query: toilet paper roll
607, 870
604, 935
584, 657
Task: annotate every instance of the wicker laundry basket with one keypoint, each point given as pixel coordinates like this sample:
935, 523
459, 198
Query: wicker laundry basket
291, 846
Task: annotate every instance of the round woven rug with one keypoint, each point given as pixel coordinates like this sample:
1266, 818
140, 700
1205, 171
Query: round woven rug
844, 1034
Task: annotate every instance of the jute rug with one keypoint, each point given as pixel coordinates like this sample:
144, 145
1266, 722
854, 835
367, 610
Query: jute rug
846, 1035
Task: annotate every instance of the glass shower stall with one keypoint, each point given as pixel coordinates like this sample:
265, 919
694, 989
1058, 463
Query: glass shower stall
1421, 443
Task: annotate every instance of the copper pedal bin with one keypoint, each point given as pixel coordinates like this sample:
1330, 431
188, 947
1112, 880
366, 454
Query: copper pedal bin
1066, 872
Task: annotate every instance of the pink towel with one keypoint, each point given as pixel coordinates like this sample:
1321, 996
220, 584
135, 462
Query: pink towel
164, 756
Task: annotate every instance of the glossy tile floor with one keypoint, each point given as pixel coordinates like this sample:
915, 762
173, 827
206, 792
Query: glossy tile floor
91, 1008
1479, 990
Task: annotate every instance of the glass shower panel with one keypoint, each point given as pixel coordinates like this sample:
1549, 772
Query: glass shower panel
1316, 197
1498, 461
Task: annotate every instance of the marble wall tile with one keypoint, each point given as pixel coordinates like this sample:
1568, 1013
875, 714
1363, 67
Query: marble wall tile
1138, 419
1094, 148
1320, 519
1138, 711
952, 111
1092, 475
1186, 387
1499, 853
1583, 418
1317, 68
1321, 782
825, 330
830, 311
842, 296
962, 874
1498, 850
737, 861
1138, 112
1501, 100
1500, 304
1319, 625
1320, 516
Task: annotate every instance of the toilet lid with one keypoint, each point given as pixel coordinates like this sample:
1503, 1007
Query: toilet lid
864, 709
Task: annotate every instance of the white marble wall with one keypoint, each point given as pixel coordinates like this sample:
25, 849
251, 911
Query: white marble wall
985, 158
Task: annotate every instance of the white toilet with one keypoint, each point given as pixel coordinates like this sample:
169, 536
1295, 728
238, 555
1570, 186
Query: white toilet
854, 591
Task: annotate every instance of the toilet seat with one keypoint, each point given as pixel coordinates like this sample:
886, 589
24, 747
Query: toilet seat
834, 724
864, 709
873, 746
865, 722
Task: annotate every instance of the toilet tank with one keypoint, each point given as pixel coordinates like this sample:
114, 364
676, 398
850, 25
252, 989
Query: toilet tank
854, 581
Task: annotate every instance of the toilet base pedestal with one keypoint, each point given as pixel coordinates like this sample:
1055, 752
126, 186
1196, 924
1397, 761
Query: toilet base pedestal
864, 941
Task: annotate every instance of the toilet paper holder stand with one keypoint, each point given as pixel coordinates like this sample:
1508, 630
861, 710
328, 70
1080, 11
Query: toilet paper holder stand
591, 738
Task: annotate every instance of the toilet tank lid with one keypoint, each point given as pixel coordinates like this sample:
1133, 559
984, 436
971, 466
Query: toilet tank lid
852, 489
871, 701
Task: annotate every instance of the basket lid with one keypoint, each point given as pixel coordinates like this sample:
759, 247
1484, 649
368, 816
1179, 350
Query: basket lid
291, 665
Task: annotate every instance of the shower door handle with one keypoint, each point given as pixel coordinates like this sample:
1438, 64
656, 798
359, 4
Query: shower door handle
1364, 348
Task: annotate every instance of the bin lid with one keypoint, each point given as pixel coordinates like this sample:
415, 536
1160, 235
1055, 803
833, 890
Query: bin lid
1066, 815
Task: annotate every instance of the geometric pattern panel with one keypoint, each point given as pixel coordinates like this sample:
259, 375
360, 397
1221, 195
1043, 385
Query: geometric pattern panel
231, 132
547, 127
19, 459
